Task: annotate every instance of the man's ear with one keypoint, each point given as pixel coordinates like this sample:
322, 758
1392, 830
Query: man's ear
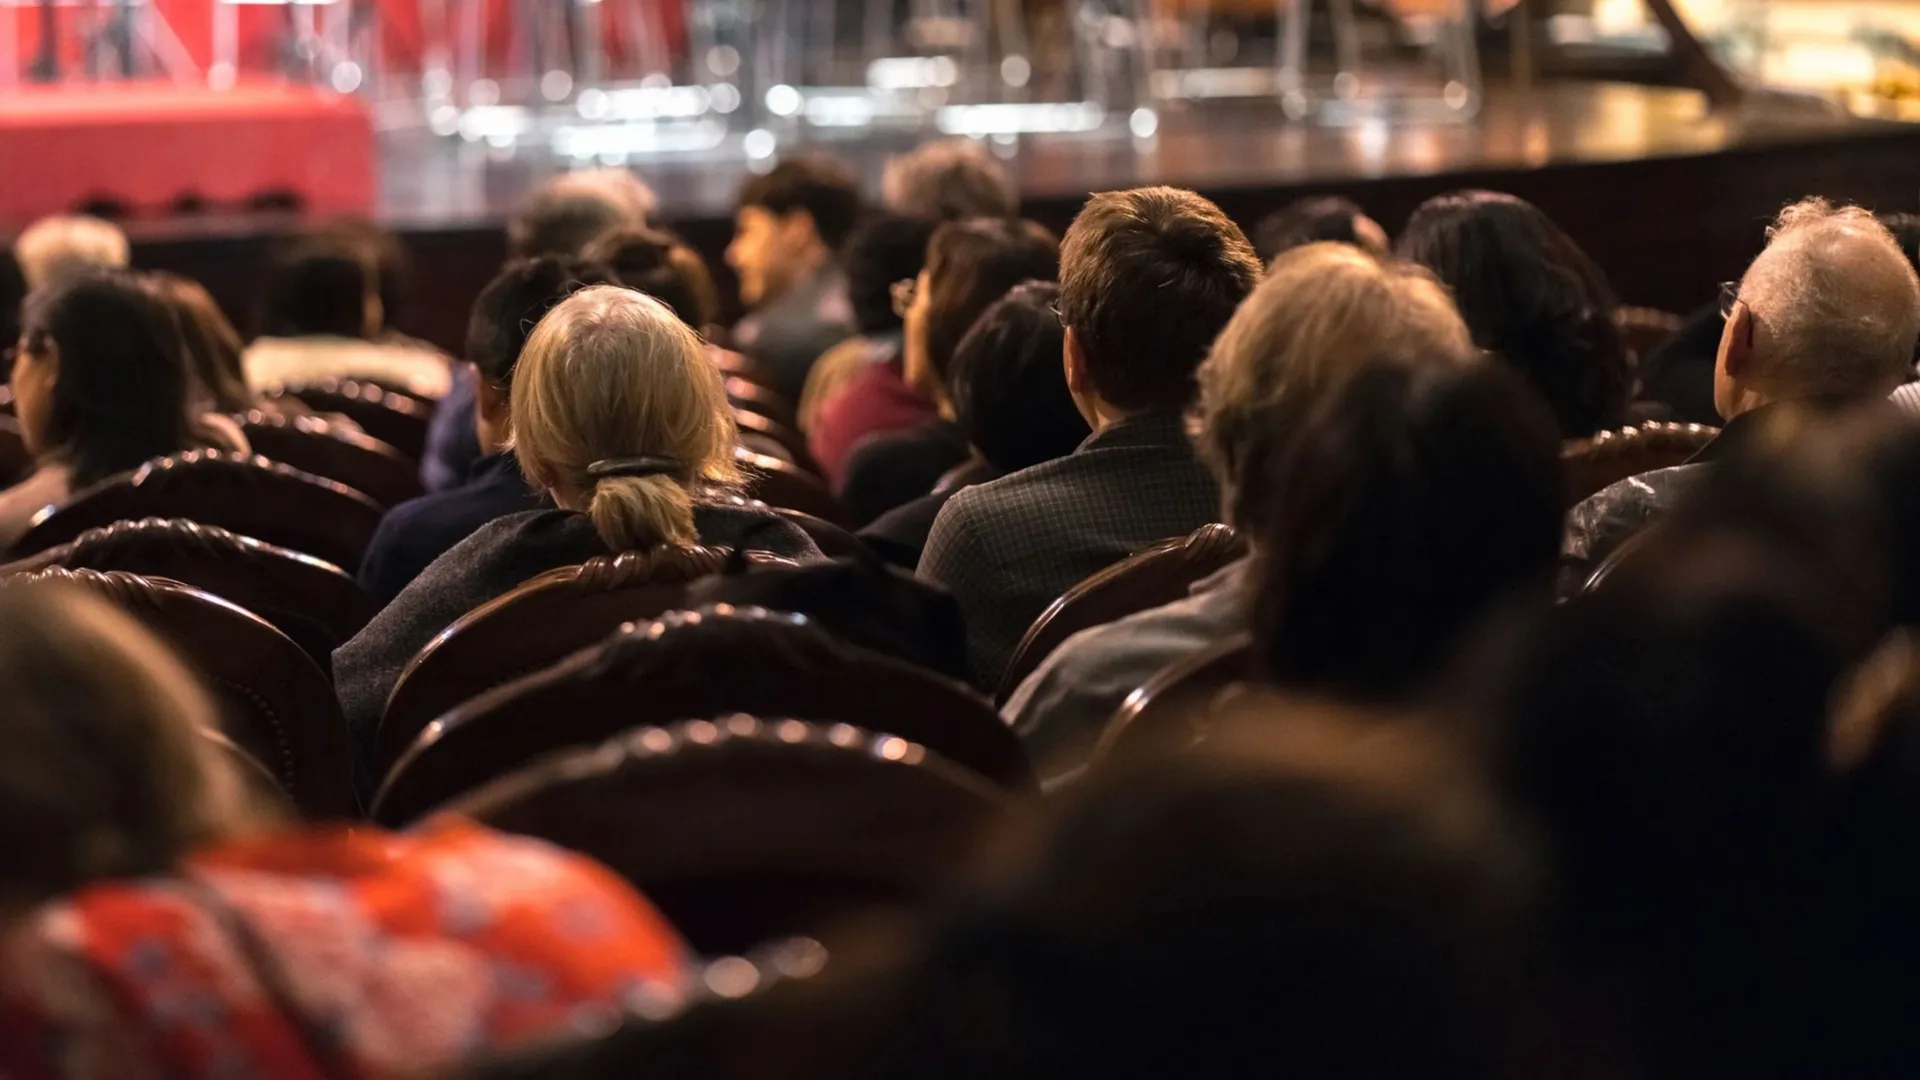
1736, 343
800, 228
1075, 361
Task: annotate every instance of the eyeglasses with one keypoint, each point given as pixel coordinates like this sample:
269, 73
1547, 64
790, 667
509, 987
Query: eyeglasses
903, 292
1055, 308
1729, 298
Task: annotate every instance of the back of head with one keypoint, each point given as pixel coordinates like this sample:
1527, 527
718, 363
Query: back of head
1531, 296
321, 285
1321, 312
1836, 302
515, 301
616, 407
971, 264
884, 249
1148, 278
1409, 503
659, 264
13, 292
102, 771
1327, 218
948, 180
821, 186
572, 210
54, 246
1009, 391
120, 395
212, 346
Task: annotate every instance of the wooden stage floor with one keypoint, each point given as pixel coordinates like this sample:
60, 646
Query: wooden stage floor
1668, 197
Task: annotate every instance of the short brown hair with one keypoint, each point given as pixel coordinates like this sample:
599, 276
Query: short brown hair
820, 184
661, 265
971, 264
1148, 277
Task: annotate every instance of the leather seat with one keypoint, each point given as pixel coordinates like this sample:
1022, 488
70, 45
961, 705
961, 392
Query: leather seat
1169, 713
395, 418
707, 663
786, 485
743, 831
313, 602
245, 494
312, 445
1612, 456
760, 431
273, 701
1161, 574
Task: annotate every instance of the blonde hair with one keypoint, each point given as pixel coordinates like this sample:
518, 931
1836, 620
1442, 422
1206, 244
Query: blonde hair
53, 246
1321, 310
614, 374
104, 769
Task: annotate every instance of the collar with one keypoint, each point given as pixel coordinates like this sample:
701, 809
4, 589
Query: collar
1739, 431
499, 465
1146, 429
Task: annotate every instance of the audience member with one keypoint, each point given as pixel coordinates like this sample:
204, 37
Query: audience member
662, 266
1828, 313
13, 293
1148, 278
1314, 220
1322, 312
790, 222
1009, 399
1531, 297
859, 387
100, 386
139, 882
948, 180
54, 246
414, 534
970, 264
620, 419
212, 346
572, 210
320, 315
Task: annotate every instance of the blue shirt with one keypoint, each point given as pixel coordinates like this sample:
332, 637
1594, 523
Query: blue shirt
418, 531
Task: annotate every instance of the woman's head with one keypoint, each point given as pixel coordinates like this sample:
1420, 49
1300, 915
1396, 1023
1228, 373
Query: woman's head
212, 345
1390, 520
1532, 297
1321, 311
970, 264
324, 285
1009, 389
665, 268
103, 771
618, 412
884, 250
100, 383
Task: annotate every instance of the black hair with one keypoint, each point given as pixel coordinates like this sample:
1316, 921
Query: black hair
885, 248
821, 185
515, 301
971, 264
1307, 221
318, 285
13, 293
1009, 388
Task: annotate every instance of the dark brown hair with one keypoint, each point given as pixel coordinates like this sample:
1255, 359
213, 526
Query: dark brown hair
972, 263
659, 264
821, 185
213, 346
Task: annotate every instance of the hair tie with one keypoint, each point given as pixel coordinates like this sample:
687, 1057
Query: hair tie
635, 467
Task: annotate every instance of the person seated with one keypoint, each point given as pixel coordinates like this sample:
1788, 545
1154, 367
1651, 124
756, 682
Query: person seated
321, 316
858, 388
141, 878
1315, 220
212, 346
13, 293
1532, 297
1009, 398
620, 419
572, 210
415, 533
53, 246
1828, 313
100, 387
948, 180
1322, 312
970, 264
663, 266
1148, 278
790, 222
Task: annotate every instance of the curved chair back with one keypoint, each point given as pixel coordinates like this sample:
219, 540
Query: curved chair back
312, 445
315, 603
397, 419
749, 396
273, 700
536, 625
1168, 714
15, 461
1612, 456
710, 662
1643, 330
786, 485
1161, 574
245, 494
787, 444
743, 831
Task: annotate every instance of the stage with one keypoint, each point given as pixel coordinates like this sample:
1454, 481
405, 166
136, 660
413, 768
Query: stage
1667, 196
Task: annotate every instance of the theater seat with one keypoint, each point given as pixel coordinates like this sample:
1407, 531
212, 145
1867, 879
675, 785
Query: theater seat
395, 418
241, 493
315, 603
791, 446
744, 831
359, 461
273, 701
786, 485
1612, 456
1169, 713
710, 662
1161, 574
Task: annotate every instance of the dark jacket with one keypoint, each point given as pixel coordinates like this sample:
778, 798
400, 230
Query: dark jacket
899, 536
421, 530
788, 333
1007, 549
888, 471
453, 446
494, 561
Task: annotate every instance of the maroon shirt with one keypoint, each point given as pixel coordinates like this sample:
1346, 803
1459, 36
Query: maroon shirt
877, 400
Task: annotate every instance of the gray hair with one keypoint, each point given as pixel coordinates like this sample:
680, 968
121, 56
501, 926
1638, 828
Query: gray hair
948, 180
1837, 298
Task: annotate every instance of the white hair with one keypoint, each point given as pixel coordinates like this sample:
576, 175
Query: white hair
1837, 298
947, 180
54, 246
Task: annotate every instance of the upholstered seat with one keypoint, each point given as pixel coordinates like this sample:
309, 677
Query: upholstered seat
750, 396
758, 431
1169, 713
1612, 456
743, 831
397, 419
312, 445
694, 664
242, 493
786, 485
1158, 575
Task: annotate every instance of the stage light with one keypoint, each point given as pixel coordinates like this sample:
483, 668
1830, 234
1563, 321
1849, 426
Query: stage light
346, 77
555, 85
783, 100
725, 97
484, 92
723, 60
759, 144
1015, 70
593, 103
1143, 123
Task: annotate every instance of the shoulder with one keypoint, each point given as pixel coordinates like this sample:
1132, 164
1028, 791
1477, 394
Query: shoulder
1598, 523
752, 526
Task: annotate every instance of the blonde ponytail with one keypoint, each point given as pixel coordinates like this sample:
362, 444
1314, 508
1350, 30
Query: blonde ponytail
633, 513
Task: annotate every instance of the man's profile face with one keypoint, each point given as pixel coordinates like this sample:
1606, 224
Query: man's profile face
769, 251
